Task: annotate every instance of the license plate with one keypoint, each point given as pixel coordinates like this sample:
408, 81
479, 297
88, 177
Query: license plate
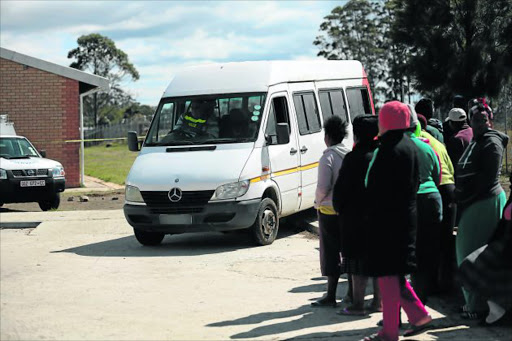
32, 183
175, 219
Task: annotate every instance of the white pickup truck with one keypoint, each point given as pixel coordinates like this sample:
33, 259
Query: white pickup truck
26, 175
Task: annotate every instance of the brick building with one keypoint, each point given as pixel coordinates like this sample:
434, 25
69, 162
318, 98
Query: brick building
43, 101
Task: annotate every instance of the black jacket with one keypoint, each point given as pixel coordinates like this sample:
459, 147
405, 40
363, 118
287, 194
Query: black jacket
478, 169
392, 184
350, 200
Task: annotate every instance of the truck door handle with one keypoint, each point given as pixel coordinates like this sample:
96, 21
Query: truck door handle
303, 149
293, 151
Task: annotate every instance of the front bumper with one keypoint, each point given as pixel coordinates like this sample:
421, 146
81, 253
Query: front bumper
12, 192
220, 216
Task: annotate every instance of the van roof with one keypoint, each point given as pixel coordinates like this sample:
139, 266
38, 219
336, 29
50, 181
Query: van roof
257, 76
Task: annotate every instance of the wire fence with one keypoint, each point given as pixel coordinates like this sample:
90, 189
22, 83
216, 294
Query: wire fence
113, 131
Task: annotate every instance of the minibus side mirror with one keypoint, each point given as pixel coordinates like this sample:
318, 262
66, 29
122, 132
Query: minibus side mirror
42, 152
133, 141
283, 133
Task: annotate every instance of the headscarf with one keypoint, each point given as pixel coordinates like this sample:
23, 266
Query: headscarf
479, 105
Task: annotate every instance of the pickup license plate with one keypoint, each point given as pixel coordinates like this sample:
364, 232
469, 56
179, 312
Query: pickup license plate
32, 183
175, 219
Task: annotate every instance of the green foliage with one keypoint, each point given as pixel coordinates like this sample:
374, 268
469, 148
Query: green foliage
459, 46
361, 30
135, 109
351, 32
110, 164
110, 114
99, 55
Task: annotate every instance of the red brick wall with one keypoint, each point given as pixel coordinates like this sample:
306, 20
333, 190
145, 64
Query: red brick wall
45, 108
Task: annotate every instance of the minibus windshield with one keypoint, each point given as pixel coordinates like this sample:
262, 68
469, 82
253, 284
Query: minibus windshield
208, 119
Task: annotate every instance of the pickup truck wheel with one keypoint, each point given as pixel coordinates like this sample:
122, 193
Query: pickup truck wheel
50, 204
264, 230
148, 238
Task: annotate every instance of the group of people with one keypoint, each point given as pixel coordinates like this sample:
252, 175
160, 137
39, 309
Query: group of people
388, 209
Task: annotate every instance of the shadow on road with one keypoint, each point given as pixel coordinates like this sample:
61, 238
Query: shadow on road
183, 245
303, 317
7, 210
449, 327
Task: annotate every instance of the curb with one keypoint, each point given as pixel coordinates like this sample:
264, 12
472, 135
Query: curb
20, 225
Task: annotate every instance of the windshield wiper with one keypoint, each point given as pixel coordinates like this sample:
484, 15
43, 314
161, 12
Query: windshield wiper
213, 141
225, 140
26, 156
172, 143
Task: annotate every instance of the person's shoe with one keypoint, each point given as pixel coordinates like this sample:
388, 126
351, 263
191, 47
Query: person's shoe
373, 308
349, 311
417, 329
472, 315
381, 323
324, 302
503, 320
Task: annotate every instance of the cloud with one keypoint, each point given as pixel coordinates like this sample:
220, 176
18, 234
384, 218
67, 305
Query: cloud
163, 36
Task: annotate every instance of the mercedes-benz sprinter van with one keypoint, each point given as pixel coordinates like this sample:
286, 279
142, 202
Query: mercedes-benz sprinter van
236, 146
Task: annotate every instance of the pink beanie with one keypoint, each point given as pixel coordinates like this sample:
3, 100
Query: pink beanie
394, 116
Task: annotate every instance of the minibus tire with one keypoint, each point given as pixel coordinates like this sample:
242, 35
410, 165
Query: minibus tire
265, 228
50, 204
148, 238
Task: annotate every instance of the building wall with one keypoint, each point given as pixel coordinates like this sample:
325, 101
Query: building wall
45, 108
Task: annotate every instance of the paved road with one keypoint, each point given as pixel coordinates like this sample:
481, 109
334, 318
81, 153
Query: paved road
82, 276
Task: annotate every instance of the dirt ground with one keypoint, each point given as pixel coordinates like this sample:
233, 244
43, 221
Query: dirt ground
70, 201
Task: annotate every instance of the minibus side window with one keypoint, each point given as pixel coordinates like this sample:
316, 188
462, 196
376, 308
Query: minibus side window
307, 113
278, 113
358, 102
332, 103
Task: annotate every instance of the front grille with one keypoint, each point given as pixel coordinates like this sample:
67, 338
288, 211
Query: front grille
26, 173
191, 202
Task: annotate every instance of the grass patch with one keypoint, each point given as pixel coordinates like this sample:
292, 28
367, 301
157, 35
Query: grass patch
110, 164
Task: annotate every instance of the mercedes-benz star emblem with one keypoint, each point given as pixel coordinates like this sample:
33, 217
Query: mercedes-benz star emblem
175, 194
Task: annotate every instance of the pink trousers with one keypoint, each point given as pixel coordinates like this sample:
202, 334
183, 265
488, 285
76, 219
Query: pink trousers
396, 295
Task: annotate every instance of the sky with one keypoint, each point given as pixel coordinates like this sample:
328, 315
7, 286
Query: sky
160, 37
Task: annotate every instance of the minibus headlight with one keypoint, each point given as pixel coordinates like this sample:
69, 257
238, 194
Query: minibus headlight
3, 174
58, 172
132, 194
232, 190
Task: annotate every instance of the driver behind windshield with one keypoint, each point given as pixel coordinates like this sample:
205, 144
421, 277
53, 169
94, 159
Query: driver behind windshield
194, 122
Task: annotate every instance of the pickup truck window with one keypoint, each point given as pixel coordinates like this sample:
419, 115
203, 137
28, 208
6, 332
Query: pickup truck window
15, 147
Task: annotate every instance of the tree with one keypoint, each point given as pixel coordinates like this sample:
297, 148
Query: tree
396, 56
99, 55
350, 32
362, 30
458, 46
136, 109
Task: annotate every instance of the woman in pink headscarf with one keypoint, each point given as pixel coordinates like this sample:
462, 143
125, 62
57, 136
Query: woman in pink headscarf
392, 184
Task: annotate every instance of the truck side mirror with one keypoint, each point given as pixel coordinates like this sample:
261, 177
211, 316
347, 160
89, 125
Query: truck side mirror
133, 141
283, 133
42, 152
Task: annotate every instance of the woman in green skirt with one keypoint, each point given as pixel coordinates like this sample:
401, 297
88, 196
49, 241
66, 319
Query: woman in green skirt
480, 197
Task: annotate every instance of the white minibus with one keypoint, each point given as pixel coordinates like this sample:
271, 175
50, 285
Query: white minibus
236, 146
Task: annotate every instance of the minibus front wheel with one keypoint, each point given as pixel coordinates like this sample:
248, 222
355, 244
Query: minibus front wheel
264, 230
148, 238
